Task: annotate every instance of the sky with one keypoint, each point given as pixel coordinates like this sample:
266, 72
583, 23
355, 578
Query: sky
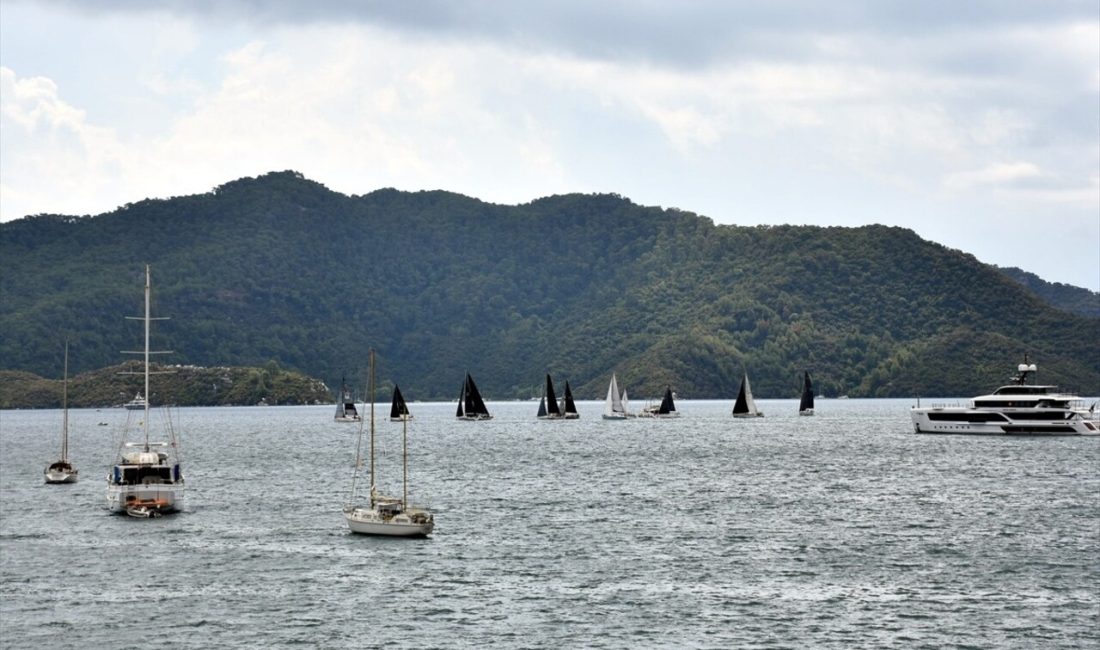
975, 124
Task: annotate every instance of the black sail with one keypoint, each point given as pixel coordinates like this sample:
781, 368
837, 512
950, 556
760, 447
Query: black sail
570, 406
398, 408
551, 398
807, 401
742, 404
667, 406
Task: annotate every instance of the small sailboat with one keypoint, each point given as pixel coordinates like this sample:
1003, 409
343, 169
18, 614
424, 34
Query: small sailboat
62, 471
146, 482
615, 406
666, 409
548, 405
806, 404
385, 515
345, 408
745, 406
569, 407
399, 410
470, 404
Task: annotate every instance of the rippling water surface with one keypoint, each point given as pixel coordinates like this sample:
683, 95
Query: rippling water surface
843, 530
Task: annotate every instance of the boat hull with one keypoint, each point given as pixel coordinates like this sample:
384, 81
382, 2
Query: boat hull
55, 477
748, 415
969, 421
365, 521
161, 498
614, 416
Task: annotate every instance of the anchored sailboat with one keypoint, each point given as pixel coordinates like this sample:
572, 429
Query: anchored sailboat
384, 515
470, 404
146, 482
745, 406
806, 404
62, 471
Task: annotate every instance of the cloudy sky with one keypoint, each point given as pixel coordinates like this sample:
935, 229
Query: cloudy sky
976, 124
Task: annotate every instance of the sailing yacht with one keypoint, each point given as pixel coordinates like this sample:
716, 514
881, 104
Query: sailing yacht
62, 471
470, 404
568, 406
385, 515
548, 405
147, 480
806, 404
345, 408
745, 406
615, 407
666, 409
399, 410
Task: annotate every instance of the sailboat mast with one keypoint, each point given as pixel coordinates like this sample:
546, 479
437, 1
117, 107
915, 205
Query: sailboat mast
404, 464
65, 409
145, 420
372, 426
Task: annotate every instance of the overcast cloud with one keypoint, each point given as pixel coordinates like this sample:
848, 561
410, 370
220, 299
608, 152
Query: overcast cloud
975, 124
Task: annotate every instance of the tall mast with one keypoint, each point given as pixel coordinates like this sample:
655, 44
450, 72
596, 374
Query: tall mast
145, 421
372, 427
405, 464
65, 409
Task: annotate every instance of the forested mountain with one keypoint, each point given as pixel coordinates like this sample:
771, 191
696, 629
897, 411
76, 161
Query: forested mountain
1063, 296
279, 268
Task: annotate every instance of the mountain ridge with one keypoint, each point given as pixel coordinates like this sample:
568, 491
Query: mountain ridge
280, 268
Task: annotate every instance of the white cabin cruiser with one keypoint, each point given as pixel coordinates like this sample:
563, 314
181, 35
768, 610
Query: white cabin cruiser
1020, 408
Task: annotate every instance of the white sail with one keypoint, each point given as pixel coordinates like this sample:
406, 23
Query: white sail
614, 404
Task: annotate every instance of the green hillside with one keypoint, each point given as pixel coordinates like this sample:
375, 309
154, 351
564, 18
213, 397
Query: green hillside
279, 268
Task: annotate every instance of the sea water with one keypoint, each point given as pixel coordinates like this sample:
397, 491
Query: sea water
842, 530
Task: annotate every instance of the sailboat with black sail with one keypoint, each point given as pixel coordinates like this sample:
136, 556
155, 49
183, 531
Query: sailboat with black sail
666, 409
569, 407
147, 480
62, 471
806, 404
548, 405
399, 410
745, 406
470, 405
385, 515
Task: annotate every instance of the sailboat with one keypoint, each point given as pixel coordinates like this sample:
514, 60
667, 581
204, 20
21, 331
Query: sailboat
146, 482
385, 515
62, 471
399, 410
569, 407
745, 406
666, 409
470, 404
548, 405
806, 404
345, 408
615, 407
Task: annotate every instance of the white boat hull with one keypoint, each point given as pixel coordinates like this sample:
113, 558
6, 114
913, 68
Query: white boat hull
758, 414
958, 420
367, 521
54, 476
614, 416
160, 497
